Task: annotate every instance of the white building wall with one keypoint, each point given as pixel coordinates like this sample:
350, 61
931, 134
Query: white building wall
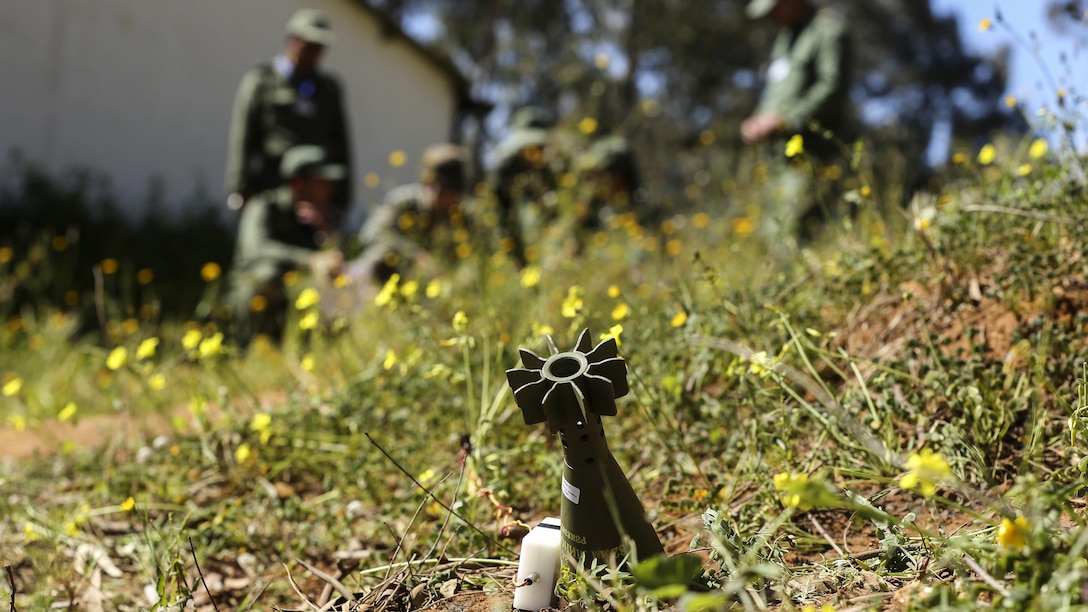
142, 89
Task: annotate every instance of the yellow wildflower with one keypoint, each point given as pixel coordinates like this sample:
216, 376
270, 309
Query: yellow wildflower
409, 289
924, 470
1010, 101
987, 154
12, 386
242, 453
791, 488
260, 421
433, 290
587, 125
128, 504
117, 358
67, 412
795, 146
540, 329
959, 158
700, 220
613, 333
157, 382
18, 422
309, 297
211, 346
460, 321
1013, 534
258, 303
620, 312
30, 533
210, 271
341, 281
309, 320
743, 226
1038, 148
984, 25
759, 363
146, 350
530, 277
613, 291
572, 303
385, 296
191, 339
390, 359
307, 362
679, 319
1023, 170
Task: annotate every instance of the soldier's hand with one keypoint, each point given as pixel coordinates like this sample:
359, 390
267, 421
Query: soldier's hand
327, 263
758, 128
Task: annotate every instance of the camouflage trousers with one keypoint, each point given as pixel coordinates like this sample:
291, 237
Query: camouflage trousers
258, 308
798, 201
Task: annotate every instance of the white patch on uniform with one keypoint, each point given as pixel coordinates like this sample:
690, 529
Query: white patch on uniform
305, 108
571, 492
779, 69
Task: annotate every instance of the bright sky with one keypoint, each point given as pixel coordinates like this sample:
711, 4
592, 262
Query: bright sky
1033, 42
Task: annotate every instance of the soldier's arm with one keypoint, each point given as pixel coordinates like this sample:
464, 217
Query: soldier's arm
258, 244
829, 74
244, 136
341, 137
382, 231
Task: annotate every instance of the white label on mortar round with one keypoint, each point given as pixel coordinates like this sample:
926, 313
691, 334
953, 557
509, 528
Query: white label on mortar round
571, 492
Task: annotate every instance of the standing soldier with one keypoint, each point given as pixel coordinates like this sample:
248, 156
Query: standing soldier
282, 230
420, 222
807, 96
287, 102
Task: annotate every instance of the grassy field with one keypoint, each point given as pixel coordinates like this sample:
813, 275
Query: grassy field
891, 419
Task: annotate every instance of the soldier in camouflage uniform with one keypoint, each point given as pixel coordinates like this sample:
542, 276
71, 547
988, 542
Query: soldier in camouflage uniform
610, 174
807, 95
282, 230
523, 181
287, 102
420, 222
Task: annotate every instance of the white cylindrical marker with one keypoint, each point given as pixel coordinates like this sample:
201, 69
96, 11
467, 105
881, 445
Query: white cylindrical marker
538, 567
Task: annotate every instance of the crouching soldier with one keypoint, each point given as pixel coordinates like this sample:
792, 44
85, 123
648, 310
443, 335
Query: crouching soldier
420, 227
283, 230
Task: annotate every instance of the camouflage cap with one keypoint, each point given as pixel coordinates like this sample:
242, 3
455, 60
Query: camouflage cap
758, 9
608, 153
312, 26
531, 117
312, 161
444, 165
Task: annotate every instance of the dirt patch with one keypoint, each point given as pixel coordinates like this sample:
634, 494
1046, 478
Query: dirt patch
89, 432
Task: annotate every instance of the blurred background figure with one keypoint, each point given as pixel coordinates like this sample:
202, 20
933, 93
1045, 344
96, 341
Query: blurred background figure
283, 230
286, 102
419, 226
806, 96
523, 180
612, 186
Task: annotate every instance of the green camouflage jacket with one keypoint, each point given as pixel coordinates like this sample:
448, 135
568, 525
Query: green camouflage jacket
271, 240
808, 74
273, 113
405, 225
